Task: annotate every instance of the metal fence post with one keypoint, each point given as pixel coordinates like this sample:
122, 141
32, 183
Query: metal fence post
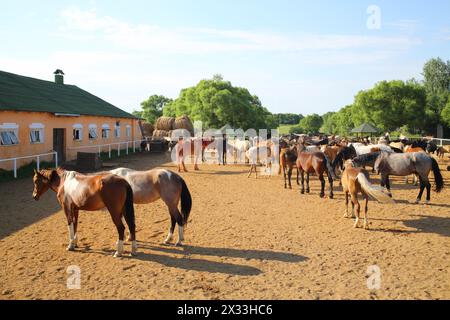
38, 163
15, 168
109, 151
56, 159
127, 147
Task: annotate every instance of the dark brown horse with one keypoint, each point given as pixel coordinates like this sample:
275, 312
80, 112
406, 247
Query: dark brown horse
314, 162
288, 158
76, 192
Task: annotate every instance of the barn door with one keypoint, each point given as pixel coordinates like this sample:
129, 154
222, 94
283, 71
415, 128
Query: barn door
58, 144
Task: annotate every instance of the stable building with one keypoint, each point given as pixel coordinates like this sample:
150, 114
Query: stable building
38, 117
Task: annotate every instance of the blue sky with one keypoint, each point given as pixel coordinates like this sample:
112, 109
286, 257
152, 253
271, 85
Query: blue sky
297, 56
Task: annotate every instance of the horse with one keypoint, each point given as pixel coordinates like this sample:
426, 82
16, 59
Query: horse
410, 149
346, 153
196, 146
76, 192
441, 151
262, 154
315, 162
366, 159
356, 180
152, 185
403, 164
239, 148
288, 159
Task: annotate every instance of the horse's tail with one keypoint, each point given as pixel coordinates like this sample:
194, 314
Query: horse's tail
376, 192
437, 175
330, 168
186, 201
129, 209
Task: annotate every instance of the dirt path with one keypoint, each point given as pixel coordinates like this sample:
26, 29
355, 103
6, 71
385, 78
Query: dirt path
248, 239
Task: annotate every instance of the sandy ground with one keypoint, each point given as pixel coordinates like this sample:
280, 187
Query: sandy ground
248, 239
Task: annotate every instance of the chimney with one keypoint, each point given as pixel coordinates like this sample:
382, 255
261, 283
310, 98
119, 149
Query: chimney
59, 76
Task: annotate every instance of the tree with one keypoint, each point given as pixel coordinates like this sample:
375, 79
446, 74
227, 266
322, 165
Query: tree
288, 118
217, 102
446, 114
390, 105
436, 75
329, 126
152, 108
311, 123
137, 114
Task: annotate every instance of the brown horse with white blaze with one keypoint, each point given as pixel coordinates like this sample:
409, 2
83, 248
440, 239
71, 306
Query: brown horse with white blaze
76, 192
152, 185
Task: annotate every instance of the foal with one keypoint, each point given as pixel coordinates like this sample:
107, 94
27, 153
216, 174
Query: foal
76, 192
354, 181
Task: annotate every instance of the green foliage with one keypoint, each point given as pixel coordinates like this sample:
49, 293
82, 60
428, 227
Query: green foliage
445, 115
311, 123
390, 105
152, 108
436, 75
288, 118
217, 102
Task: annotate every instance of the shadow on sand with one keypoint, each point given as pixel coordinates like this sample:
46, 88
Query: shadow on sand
230, 253
425, 224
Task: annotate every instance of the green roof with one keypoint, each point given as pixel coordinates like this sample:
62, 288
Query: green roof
365, 128
19, 93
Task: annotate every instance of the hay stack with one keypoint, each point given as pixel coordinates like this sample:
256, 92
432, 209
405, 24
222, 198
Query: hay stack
160, 133
165, 123
184, 122
148, 129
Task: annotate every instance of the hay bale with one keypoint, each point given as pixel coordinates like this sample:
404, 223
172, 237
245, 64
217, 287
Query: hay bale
148, 129
165, 123
184, 122
160, 133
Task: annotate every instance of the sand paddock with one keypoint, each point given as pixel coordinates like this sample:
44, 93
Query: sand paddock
248, 239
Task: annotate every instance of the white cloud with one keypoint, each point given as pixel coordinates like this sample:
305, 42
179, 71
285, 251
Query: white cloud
145, 37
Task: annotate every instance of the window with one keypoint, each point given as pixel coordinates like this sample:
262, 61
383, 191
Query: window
128, 131
78, 132
105, 131
93, 132
117, 131
9, 134
36, 133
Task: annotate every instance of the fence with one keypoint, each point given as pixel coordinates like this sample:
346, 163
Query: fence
38, 160
441, 142
100, 147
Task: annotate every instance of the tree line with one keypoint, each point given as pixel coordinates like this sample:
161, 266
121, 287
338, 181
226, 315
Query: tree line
411, 107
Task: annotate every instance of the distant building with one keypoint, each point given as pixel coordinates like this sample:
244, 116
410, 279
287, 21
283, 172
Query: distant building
38, 116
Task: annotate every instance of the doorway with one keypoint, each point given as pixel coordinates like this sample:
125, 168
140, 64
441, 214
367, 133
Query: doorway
59, 144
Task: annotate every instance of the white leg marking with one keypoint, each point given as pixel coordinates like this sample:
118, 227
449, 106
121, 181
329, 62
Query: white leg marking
169, 238
134, 248
71, 246
180, 236
119, 251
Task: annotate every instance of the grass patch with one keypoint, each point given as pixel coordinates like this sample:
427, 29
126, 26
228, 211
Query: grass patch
25, 171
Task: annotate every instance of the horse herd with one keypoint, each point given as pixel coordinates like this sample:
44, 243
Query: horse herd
117, 190
399, 158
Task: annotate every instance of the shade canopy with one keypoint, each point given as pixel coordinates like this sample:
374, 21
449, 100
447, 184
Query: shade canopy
365, 128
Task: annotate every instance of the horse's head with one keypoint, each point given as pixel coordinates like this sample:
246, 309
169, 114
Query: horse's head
42, 182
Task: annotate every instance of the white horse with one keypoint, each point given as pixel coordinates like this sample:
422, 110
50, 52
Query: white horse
257, 155
240, 147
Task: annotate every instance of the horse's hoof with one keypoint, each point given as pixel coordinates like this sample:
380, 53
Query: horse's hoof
331, 196
322, 196
70, 248
428, 202
302, 192
417, 201
117, 255
178, 244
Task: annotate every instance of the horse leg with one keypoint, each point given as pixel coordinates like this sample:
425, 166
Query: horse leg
132, 236
117, 219
173, 222
75, 227
290, 178
303, 182
322, 186
330, 181
366, 208
346, 204
428, 185
71, 228
358, 209
284, 174
308, 190
422, 189
178, 218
